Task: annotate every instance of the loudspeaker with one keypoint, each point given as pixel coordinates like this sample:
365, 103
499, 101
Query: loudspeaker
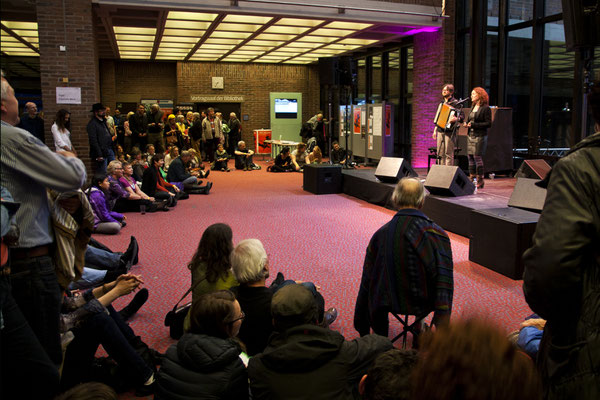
445, 180
498, 238
322, 178
581, 21
391, 169
328, 67
533, 169
527, 195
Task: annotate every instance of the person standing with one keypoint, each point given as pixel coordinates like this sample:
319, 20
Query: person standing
562, 268
317, 124
235, 132
32, 122
28, 168
211, 133
446, 137
101, 144
478, 122
60, 131
155, 128
138, 123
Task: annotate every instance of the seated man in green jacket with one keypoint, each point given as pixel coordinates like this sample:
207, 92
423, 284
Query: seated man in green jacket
178, 173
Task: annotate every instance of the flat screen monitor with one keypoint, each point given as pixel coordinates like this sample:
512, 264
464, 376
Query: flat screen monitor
286, 108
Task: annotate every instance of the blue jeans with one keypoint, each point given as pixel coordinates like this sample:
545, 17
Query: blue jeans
101, 165
38, 294
25, 370
110, 331
101, 259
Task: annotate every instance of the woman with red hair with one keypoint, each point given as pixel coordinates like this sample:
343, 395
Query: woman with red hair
478, 122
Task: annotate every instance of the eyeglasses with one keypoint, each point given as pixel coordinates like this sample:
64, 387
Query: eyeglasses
241, 317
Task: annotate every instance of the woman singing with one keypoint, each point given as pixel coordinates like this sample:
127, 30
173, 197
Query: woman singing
478, 122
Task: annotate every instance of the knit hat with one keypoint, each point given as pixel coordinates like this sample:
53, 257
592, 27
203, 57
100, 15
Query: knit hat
293, 305
171, 116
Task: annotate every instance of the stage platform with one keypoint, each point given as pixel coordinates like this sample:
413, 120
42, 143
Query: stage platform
451, 213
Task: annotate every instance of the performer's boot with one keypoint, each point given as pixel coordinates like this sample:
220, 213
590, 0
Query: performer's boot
480, 182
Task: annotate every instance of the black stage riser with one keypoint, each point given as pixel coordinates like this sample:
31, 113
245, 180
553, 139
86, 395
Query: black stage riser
499, 237
322, 179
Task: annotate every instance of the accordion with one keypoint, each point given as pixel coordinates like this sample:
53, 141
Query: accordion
443, 115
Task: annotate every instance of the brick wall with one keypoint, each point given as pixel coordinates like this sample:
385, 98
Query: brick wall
73, 27
254, 82
428, 78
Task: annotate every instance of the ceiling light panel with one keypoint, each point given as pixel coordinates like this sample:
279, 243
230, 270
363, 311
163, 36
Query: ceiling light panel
304, 45
332, 32
311, 23
348, 25
178, 45
361, 42
256, 48
281, 38
238, 27
180, 39
139, 38
223, 41
132, 43
16, 25
317, 39
247, 19
135, 48
201, 25
184, 32
134, 31
216, 47
266, 43
173, 50
287, 30
230, 35
191, 16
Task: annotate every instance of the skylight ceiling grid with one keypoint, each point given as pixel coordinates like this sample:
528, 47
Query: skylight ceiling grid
27, 31
134, 42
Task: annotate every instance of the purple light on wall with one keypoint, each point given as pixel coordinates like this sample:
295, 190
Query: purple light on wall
421, 30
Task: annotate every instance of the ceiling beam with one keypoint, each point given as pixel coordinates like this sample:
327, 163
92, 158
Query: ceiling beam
305, 33
106, 20
19, 38
206, 35
249, 38
160, 28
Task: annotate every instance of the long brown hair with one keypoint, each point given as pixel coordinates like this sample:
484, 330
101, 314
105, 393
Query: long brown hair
214, 250
60, 119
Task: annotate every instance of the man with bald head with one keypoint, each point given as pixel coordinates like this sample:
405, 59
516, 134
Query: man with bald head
32, 122
408, 266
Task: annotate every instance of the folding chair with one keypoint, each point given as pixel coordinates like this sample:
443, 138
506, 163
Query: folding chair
414, 328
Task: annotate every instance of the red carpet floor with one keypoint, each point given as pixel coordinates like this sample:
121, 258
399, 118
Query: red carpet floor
307, 237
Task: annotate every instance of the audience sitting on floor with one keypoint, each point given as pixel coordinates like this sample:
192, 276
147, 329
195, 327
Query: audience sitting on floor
305, 360
251, 269
472, 360
171, 155
315, 156
338, 154
155, 185
300, 157
138, 163
388, 378
211, 265
283, 162
89, 391
150, 152
106, 221
221, 159
191, 182
243, 157
207, 362
131, 197
95, 322
129, 183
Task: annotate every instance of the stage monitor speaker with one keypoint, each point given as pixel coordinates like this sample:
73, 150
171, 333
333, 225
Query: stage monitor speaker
322, 178
581, 20
533, 169
445, 180
527, 195
391, 169
328, 70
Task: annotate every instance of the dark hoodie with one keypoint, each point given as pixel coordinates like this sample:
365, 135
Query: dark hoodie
202, 367
310, 362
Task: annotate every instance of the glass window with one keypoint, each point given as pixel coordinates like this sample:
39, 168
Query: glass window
491, 67
376, 81
557, 96
493, 12
361, 81
519, 11
552, 7
518, 75
394, 74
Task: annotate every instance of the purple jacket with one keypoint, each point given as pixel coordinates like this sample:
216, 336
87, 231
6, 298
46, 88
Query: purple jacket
101, 208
